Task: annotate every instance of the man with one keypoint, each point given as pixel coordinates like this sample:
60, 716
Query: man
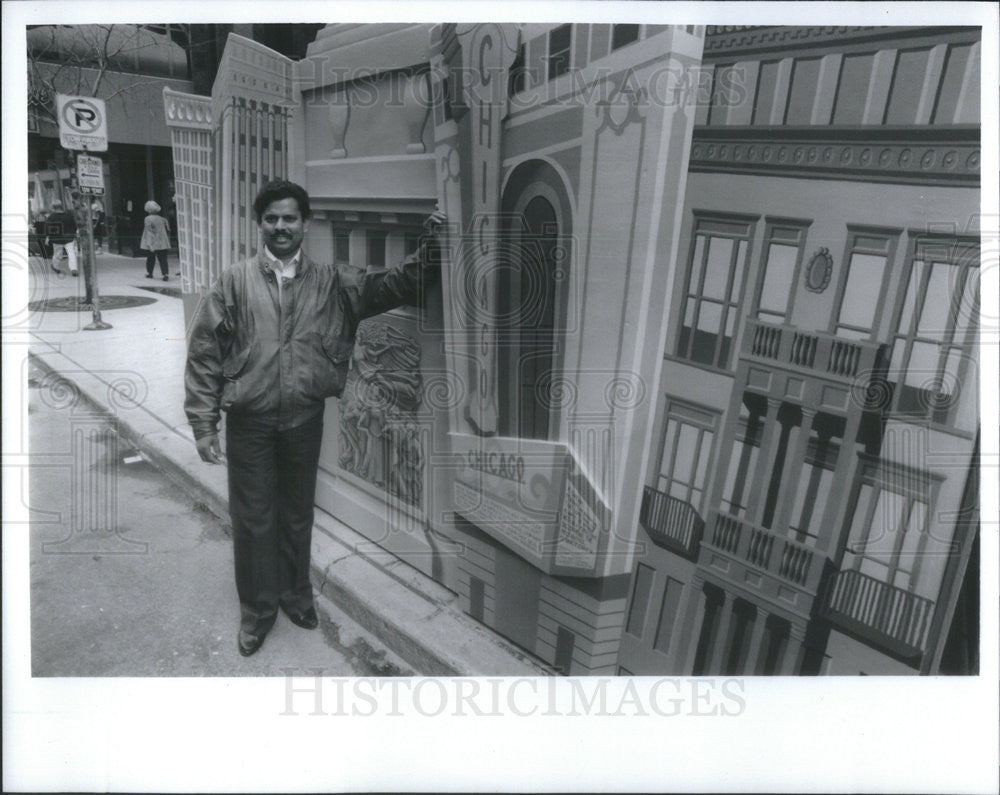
61, 229
268, 344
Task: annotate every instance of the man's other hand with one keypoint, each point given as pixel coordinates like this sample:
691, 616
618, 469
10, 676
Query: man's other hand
209, 450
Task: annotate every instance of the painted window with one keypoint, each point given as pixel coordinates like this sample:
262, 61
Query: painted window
370, 247
863, 284
936, 329
375, 242
736, 495
781, 259
687, 448
529, 347
669, 613
852, 88
889, 539
713, 291
724, 93
643, 584
559, 44
623, 34
802, 93
341, 246
767, 81
517, 76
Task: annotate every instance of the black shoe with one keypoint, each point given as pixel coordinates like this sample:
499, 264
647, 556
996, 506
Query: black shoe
306, 620
248, 644
55, 269
75, 273
149, 275
165, 278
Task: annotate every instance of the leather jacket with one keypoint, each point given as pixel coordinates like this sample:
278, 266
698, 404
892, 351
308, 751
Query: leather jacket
249, 354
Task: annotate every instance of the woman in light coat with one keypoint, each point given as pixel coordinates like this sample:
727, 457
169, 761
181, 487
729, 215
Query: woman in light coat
155, 239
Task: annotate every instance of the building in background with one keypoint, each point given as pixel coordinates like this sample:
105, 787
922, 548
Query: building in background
811, 500
682, 403
130, 65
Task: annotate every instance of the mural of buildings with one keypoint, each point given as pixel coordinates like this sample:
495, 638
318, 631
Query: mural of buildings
698, 391
810, 504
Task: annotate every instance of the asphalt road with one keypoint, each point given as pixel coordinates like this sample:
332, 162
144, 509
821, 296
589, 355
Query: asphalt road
129, 577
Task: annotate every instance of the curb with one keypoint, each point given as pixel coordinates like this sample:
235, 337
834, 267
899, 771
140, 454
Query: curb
410, 613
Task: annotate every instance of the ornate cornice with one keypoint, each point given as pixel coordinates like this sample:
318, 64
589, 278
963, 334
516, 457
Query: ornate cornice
925, 155
729, 41
191, 111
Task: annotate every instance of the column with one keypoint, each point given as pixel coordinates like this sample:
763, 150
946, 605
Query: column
792, 659
843, 477
691, 628
754, 662
149, 174
765, 461
720, 645
794, 465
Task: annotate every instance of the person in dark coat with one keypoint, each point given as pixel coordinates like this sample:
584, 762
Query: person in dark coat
269, 343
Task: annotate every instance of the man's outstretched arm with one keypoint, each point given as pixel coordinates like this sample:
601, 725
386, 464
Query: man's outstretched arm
380, 291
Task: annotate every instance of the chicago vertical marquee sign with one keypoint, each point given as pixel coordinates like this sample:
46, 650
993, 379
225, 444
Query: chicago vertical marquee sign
469, 75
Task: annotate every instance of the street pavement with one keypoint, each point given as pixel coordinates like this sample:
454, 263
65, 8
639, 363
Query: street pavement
132, 374
131, 577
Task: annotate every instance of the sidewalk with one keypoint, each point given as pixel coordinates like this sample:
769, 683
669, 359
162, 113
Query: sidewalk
134, 372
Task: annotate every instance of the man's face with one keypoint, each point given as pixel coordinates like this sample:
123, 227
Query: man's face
282, 227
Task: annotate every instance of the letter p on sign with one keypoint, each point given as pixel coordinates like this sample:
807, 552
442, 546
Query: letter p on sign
83, 123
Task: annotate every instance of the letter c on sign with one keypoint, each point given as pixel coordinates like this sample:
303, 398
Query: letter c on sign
484, 74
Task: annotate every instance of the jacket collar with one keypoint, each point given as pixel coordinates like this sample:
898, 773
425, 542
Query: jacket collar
304, 264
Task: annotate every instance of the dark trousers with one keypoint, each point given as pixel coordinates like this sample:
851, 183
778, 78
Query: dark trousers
272, 490
152, 256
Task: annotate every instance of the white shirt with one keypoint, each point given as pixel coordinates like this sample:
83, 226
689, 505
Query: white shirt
281, 269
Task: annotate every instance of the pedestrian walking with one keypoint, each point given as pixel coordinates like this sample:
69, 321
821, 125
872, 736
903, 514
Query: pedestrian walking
155, 239
61, 229
97, 219
269, 343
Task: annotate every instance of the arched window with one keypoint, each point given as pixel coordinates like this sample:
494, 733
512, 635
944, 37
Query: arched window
530, 278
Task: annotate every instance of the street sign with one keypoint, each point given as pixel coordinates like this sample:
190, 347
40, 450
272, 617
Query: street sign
83, 123
90, 174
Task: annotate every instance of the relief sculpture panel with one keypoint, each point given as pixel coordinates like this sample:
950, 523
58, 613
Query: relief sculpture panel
379, 434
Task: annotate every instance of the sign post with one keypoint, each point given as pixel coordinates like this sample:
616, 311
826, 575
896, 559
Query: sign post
83, 127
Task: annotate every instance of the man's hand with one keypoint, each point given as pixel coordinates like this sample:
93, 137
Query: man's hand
434, 222
209, 450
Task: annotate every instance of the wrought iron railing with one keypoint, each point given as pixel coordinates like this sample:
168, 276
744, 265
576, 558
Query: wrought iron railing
670, 522
879, 612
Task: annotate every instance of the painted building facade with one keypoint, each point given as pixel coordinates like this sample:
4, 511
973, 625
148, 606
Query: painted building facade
810, 502
495, 438
682, 327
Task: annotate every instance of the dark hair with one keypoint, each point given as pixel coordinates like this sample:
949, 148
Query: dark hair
279, 189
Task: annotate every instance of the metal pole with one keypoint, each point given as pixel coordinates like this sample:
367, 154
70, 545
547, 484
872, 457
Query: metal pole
97, 324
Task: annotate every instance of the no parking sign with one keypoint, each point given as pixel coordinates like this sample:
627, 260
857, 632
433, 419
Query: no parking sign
83, 123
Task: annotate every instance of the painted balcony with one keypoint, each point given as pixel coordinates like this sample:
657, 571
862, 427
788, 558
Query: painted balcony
810, 367
811, 353
879, 613
787, 561
671, 523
